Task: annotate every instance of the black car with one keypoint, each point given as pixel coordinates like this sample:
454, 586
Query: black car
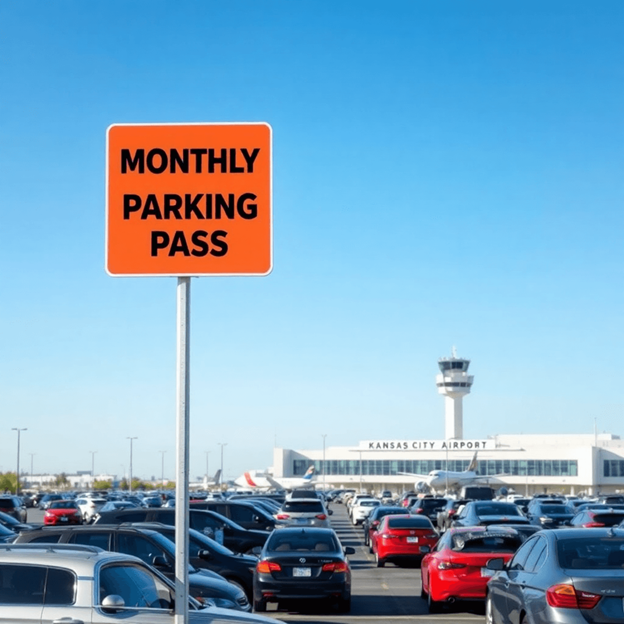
149, 546
548, 516
242, 512
446, 515
303, 563
371, 522
205, 553
212, 524
14, 506
484, 513
428, 506
12, 523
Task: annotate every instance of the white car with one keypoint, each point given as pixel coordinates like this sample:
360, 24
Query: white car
89, 507
362, 508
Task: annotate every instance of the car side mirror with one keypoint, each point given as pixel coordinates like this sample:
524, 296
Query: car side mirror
495, 564
349, 550
330, 512
113, 603
206, 555
160, 562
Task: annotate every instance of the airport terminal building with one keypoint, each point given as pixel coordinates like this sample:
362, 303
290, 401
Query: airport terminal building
561, 463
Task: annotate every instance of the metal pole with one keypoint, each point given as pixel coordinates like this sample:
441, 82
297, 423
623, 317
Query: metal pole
360, 472
207, 466
31, 465
93, 464
130, 478
182, 450
324, 436
221, 444
162, 468
17, 476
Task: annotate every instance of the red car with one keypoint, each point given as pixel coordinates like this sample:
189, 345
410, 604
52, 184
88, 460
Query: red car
456, 568
401, 537
62, 512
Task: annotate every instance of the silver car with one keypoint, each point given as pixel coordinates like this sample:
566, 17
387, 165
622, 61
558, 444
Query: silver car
302, 512
567, 576
47, 583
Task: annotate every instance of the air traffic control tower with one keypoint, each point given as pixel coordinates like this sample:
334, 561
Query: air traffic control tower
454, 383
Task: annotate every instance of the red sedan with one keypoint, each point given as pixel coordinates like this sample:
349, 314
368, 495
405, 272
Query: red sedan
402, 537
456, 568
62, 512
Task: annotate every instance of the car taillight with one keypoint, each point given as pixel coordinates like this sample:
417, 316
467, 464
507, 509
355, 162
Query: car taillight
450, 565
431, 536
282, 516
568, 597
418, 511
375, 523
321, 516
266, 567
340, 566
451, 512
389, 536
48, 513
591, 525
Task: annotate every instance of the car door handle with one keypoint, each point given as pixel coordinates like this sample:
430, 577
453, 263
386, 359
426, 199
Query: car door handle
67, 620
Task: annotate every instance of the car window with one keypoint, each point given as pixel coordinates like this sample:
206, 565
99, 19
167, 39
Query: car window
585, 553
99, 539
301, 542
46, 538
303, 506
140, 547
60, 587
537, 556
467, 542
243, 514
137, 586
409, 523
519, 559
22, 584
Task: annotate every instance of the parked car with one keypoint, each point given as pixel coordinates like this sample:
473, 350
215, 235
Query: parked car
303, 563
6, 535
302, 512
62, 512
89, 507
14, 506
117, 504
13, 523
205, 553
372, 521
149, 546
241, 512
484, 513
567, 576
447, 514
46, 499
151, 501
592, 518
212, 524
456, 568
548, 516
362, 509
428, 506
402, 537
71, 583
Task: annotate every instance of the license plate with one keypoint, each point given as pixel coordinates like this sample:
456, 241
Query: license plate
302, 521
487, 572
302, 571
412, 540
63, 519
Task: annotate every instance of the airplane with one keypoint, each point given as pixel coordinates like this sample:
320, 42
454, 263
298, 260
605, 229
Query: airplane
256, 479
453, 480
207, 481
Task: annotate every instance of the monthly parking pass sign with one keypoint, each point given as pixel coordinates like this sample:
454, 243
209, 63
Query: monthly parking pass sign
189, 199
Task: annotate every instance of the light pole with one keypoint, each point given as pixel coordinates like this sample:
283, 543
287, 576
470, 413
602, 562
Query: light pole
324, 435
130, 478
93, 464
18, 454
221, 444
31, 465
207, 466
162, 468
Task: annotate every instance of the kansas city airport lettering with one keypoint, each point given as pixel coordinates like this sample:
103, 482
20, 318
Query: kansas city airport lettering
189, 160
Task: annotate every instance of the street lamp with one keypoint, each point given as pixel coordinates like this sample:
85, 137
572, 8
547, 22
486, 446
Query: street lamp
207, 467
221, 444
31, 465
162, 469
18, 454
93, 464
130, 478
324, 435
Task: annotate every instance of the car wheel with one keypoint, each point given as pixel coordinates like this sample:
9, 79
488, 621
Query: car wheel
259, 606
433, 605
344, 605
379, 561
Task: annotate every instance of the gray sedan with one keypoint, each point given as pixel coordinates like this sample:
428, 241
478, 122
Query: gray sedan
568, 576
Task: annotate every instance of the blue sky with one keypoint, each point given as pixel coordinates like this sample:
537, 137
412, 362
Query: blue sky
445, 173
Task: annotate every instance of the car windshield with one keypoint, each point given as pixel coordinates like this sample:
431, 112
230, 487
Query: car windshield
505, 509
303, 506
603, 553
552, 509
476, 543
280, 542
409, 523
63, 505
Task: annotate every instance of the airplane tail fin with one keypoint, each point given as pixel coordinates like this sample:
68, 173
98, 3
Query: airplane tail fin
309, 473
473, 463
217, 478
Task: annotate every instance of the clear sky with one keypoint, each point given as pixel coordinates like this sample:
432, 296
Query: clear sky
445, 173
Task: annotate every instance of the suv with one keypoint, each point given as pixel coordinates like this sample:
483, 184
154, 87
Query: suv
303, 512
14, 506
241, 512
151, 548
82, 583
212, 524
428, 506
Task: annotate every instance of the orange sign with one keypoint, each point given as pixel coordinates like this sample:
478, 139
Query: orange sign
187, 200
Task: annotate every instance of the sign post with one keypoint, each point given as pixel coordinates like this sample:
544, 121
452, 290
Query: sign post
188, 200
